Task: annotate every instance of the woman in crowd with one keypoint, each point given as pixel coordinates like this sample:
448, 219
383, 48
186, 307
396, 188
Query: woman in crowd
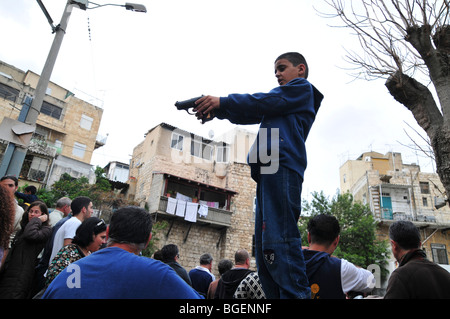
89, 237
16, 280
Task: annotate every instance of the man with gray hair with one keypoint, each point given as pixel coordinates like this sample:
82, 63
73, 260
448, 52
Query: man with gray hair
201, 276
62, 210
416, 277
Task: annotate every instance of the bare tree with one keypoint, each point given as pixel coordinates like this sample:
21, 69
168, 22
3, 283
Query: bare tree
407, 42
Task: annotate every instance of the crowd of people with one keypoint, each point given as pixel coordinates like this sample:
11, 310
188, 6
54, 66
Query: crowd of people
48, 256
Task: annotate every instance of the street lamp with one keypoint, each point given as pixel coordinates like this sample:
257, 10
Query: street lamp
14, 156
83, 4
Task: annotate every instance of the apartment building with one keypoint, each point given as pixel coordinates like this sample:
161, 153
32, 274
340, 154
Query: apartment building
66, 132
201, 187
398, 191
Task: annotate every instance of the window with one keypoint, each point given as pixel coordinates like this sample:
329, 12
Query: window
439, 253
424, 202
38, 169
78, 150
424, 187
8, 93
86, 122
222, 154
177, 141
51, 110
202, 150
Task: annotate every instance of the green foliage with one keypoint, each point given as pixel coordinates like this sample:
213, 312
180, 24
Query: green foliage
71, 187
48, 197
157, 229
358, 241
101, 192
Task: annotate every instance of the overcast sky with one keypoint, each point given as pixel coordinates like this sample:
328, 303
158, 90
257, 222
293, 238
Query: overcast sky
137, 65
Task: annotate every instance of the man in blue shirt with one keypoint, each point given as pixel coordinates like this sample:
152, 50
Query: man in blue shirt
118, 272
286, 115
201, 276
331, 277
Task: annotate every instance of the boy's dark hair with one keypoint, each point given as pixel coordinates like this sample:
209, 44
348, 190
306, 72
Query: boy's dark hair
78, 204
169, 252
323, 229
295, 58
13, 178
32, 189
224, 265
405, 234
87, 230
130, 225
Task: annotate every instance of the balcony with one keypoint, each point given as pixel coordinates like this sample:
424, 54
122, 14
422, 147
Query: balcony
100, 141
216, 218
43, 147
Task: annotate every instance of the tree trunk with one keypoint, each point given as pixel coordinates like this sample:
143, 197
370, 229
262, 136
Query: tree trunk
419, 100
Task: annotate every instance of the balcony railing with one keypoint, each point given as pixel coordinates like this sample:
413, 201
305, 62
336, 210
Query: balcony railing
100, 141
43, 147
216, 217
433, 221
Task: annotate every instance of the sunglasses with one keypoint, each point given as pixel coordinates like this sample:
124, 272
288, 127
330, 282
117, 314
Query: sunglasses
100, 223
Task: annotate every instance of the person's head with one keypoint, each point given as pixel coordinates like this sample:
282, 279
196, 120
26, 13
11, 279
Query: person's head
91, 234
63, 205
206, 261
131, 226
157, 255
289, 66
242, 258
36, 209
404, 237
30, 190
11, 183
7, 211
82, 205
323, 232
224, 265
170, 253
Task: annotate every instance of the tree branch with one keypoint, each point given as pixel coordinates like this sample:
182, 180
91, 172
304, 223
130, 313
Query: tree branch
418, 99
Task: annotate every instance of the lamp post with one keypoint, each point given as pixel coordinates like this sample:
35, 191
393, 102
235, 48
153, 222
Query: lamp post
14, 156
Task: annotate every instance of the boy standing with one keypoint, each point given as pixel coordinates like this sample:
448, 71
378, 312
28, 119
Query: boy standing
286, 115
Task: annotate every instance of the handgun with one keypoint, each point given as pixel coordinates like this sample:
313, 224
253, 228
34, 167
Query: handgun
190, 103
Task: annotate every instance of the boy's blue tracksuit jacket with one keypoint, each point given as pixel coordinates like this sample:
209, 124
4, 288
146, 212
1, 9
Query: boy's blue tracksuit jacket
290, 108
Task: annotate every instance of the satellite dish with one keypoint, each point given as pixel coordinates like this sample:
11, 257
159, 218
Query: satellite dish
211, 134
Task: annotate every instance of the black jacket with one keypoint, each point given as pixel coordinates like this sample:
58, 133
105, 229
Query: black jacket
418, 278
229, 281
180, 271
16, 279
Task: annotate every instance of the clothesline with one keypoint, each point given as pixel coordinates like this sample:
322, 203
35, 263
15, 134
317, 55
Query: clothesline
188, 210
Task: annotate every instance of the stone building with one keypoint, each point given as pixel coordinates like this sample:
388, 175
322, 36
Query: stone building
66, 131
171, 167
398, 191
